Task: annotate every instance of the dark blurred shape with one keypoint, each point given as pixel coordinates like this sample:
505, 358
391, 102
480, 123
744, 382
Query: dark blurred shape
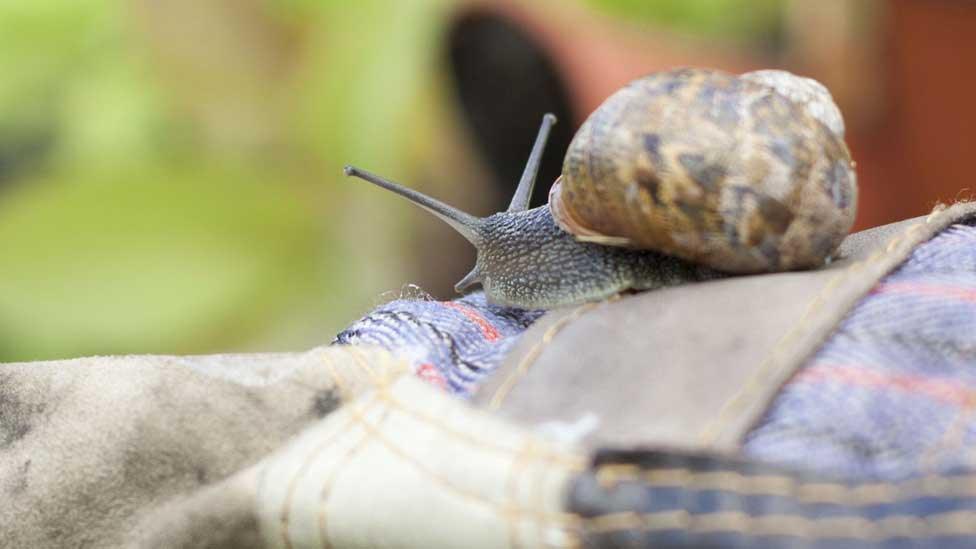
20, 153
902, 71
505, 82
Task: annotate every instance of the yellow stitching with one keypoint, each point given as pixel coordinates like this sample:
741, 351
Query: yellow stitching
445, 482
522, 459
573, 530
805, 492
303, 469
434, 475
609, 475
345, 397
350, 404
565, 460
344, 392
362, 364
523, 366
708, 435
336, 378
894, 243
953, 523
326, 489
538, 497
820, 492
570, 525
612, 522
569, 462
952, 439
391, 369
740, 399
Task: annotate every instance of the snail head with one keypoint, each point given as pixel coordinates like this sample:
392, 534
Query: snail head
475, 229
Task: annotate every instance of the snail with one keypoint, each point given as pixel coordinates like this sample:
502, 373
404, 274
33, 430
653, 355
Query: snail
683, 175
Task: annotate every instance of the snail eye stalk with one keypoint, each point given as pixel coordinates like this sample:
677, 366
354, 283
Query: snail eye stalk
520, 201
462, 222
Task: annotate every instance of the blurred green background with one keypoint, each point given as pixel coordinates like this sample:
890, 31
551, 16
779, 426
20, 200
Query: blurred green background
170, 172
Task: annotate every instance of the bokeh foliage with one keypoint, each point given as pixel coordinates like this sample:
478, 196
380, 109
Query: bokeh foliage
744, 21
170, 171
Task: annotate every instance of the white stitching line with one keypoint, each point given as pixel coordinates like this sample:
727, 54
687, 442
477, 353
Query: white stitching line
953, 523
512, 489
958, 486
329, 482
325, 490
739, 400
339, 432
475, 497
535, 351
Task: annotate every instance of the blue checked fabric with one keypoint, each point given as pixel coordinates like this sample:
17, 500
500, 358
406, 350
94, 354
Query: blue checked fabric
451, 344
891, 394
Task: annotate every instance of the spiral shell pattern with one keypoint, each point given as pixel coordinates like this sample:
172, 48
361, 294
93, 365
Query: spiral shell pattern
739, 173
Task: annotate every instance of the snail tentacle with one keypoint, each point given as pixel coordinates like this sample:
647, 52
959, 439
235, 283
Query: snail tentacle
523, 193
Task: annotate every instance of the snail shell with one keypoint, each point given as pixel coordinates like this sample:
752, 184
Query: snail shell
742, 174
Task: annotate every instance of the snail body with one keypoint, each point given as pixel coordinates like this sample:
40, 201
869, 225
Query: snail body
679, 176
537, 265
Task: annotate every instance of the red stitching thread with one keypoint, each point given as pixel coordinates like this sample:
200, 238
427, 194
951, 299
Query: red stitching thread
943, 391
487, 330
952, 292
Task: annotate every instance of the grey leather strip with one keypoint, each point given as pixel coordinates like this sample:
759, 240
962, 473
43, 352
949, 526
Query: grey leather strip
697, 365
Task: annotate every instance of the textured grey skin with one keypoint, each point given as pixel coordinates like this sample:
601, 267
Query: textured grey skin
525, 260
749, 209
